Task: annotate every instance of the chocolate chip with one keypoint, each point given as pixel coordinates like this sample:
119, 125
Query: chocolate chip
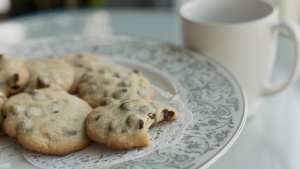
43, 82
153, 104
141, 124
123, 131
72, 132
109, 127
124, 83
120, 94
79, 56
55, 107
14, 110
127, 106
121, 75
97, 117
32, 92
12, 82
152, 116
15, 87
102, 71
137, 71
86, 77
24, 126
37, 95
67, 132
105, 94
15, 77
33, 112
129, 120
140, 93
168, 114
78, 65
145, 109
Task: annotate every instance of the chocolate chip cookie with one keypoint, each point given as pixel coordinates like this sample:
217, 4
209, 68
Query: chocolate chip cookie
83, 62
48, 121
45, 72
116, 83
124, 124
13, 75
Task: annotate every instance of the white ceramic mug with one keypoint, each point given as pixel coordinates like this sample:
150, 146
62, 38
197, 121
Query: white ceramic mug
242, 36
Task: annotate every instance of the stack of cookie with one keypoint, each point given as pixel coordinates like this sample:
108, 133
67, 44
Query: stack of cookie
60, 105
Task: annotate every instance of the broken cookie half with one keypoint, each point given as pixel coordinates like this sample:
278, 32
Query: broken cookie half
124, 124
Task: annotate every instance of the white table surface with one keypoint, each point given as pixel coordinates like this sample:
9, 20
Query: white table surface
270, 139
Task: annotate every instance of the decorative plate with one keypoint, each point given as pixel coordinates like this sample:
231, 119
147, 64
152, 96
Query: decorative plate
205, 88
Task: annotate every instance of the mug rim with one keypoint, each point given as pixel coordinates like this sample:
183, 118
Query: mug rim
183, 16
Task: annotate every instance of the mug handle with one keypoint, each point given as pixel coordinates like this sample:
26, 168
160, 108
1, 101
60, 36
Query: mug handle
294, 32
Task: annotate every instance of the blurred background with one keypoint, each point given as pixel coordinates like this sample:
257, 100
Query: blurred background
28, 19
12, 8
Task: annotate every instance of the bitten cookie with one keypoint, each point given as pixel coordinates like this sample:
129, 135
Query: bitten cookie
45, 72
116, 83
82, 62
125, 124
13, 75
48, 121
3, 99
